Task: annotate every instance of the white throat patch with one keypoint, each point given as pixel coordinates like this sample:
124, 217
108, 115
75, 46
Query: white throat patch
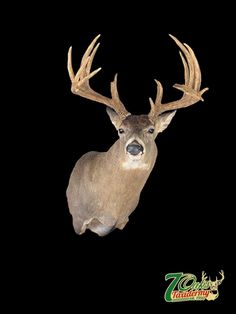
135, 164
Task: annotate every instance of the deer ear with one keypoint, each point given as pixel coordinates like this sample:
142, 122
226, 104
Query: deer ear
115, 119
163, 121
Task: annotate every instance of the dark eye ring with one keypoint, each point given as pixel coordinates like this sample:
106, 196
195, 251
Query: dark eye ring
121, 131
151, 130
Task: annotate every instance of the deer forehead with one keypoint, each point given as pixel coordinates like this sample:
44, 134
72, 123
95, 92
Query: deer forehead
137, 122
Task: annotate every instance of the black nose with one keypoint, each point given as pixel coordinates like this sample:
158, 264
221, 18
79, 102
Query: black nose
134, 148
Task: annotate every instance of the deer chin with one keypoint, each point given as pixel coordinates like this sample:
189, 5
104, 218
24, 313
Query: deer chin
135, 162
135, 157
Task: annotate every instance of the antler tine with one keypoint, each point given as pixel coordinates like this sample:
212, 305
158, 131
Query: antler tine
155, 107
74, 78
204, 277
90, 48
197, 72
191, 87
87, 58
222, 275
69, 65
190, 68
80, 82
186, 68
90, 59
115, 97
84, 70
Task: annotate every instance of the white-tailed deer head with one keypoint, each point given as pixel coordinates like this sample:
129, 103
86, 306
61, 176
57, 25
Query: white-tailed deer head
104, 188
213, 285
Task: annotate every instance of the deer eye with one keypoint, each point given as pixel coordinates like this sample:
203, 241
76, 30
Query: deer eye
151, 130
121, 131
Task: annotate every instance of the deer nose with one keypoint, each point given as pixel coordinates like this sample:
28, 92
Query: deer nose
134, 148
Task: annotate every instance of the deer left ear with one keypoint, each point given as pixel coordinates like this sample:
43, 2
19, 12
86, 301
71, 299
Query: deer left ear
163, 121
115, 118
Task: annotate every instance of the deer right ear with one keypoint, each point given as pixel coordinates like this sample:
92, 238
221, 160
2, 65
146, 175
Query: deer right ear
164, 120
115, 119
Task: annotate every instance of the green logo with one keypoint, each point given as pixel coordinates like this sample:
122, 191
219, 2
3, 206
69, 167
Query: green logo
185, 287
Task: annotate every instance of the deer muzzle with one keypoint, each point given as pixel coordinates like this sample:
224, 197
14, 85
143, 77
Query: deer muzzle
134, 148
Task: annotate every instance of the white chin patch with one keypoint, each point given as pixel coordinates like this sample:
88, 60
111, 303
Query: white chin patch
134, 162
134, 157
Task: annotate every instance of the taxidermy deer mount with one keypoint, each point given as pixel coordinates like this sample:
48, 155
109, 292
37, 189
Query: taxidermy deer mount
104, 187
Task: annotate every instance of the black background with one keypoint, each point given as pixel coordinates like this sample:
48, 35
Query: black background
182, 222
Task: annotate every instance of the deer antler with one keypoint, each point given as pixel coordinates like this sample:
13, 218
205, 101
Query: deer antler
222, 276
191, 88
204, 277
80, 82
